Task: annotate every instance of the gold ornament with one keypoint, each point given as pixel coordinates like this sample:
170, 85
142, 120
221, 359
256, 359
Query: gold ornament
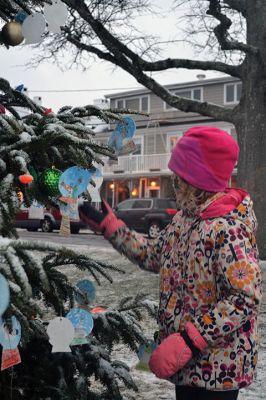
20, 195
12, 33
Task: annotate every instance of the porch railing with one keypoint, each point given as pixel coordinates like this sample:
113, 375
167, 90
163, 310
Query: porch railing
137, 164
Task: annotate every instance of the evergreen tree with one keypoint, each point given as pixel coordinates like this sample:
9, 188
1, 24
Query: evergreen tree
34, 269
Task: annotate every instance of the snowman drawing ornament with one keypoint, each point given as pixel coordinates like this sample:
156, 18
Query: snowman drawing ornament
61, 333
9, 339
97, 177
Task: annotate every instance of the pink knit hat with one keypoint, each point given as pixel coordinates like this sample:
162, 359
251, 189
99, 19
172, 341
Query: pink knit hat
205, 157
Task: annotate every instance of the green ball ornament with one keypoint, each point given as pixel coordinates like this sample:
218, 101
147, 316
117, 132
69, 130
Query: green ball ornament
49, 180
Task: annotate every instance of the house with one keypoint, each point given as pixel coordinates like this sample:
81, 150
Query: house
145, 173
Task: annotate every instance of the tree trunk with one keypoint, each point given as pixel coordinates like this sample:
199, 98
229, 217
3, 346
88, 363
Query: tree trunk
252, 166
251, 120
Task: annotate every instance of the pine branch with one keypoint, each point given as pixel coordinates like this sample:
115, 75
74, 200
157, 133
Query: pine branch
35, 270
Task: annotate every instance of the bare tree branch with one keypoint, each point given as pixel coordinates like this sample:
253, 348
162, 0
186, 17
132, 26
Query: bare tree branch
191, 64
238, 5
89, 48
203, 108
122, 56
113, 43
221, 30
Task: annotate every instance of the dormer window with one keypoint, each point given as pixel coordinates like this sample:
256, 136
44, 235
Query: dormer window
191, 94
140, 103
232, 93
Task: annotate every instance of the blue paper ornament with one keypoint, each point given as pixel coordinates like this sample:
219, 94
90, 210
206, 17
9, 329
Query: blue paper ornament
86, 287
74, 181
97, 173
19, 88
69, 210
122, 135
10, 340
4, 294
144, 355
21, 16
83, 323
146, 349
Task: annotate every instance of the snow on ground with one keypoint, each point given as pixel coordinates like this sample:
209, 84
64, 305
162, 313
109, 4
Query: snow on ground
136, 280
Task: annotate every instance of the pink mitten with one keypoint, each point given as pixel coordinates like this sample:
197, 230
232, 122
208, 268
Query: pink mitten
175, 351
104, 222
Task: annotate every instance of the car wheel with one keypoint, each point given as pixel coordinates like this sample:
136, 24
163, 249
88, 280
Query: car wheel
74, 230
154, 229
47, 225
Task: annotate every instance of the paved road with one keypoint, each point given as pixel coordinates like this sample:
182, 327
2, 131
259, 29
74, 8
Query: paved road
83, 238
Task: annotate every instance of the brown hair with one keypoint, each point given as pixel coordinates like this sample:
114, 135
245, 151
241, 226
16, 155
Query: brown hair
188, 197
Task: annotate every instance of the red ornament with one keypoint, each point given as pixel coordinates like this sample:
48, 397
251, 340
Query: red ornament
97, 310
2, 109
47, 112
25, 179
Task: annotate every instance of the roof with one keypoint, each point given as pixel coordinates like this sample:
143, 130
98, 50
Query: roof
183, 85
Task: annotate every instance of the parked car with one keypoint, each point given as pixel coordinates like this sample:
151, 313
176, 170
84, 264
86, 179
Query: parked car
147, 215
47, 221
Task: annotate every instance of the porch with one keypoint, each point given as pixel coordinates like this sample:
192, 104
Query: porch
148, 164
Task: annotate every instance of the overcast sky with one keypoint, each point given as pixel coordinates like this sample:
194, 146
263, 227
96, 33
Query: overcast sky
99, 76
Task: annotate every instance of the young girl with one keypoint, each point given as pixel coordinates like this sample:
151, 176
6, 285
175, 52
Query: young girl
210, 280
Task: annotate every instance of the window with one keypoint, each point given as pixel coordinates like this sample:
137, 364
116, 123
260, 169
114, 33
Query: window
134, 103
172, 139
197, 94
142, 204
144, 103
186, 94
119, 104
125, 205
232, 93
191, 94
138, 143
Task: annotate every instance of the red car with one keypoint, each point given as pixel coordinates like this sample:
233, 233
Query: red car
33, 219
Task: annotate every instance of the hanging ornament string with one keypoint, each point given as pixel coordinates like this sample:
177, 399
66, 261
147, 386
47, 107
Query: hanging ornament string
11, 383
11, 379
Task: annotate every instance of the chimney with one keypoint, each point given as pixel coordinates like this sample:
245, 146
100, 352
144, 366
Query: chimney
103, 104
201, 77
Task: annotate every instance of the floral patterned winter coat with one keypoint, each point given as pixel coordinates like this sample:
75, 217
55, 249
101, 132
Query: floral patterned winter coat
209, 275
